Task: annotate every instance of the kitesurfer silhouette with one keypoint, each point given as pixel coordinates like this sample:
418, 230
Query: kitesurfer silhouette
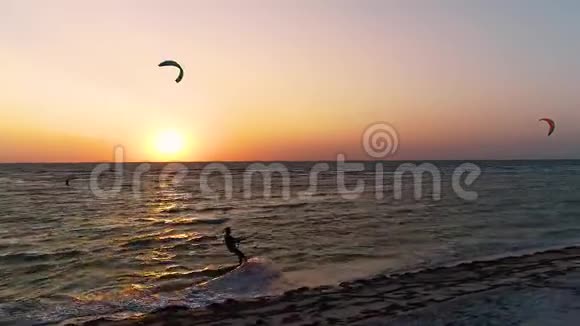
232, 245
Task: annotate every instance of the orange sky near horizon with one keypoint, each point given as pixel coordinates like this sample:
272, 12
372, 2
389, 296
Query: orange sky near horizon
291, 80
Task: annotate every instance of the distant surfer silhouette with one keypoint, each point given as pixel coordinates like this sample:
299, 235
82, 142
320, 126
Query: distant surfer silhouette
232, 245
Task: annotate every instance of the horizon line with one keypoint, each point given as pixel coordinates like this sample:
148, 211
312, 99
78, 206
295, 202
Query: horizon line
294, 161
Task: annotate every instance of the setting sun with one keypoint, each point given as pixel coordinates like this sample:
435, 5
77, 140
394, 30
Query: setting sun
169, 142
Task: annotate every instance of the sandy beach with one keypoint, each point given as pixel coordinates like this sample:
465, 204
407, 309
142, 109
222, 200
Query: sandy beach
378, 299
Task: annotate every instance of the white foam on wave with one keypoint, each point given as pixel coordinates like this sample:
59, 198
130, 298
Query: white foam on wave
11, 180
255, 278
256, 275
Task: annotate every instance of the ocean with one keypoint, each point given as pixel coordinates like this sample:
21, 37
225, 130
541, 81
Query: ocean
141, 237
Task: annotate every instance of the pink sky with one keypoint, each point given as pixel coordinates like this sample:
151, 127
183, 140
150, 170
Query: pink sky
288, 80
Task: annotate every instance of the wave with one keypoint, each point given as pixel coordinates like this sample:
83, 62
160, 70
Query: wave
210, 209
257, 276
180, 209
175, 209
208, 272
260, 277
181, 239
36, 256
192, 221
33, 184
11, 180
145, 242
286, 205
134, 301
490, 260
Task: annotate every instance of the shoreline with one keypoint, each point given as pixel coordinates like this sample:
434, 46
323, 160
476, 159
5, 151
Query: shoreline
373, 299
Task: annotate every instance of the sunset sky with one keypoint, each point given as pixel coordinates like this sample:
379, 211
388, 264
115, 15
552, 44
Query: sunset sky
287, 80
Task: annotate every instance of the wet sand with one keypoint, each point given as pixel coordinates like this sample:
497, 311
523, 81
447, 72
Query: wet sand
374, 300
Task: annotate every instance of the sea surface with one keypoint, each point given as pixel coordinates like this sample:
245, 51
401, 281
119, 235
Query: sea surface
152, 235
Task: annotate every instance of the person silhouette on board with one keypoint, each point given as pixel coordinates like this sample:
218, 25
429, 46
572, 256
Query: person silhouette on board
232, 245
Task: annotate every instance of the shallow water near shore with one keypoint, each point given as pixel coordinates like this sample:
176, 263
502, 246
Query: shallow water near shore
65, 253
